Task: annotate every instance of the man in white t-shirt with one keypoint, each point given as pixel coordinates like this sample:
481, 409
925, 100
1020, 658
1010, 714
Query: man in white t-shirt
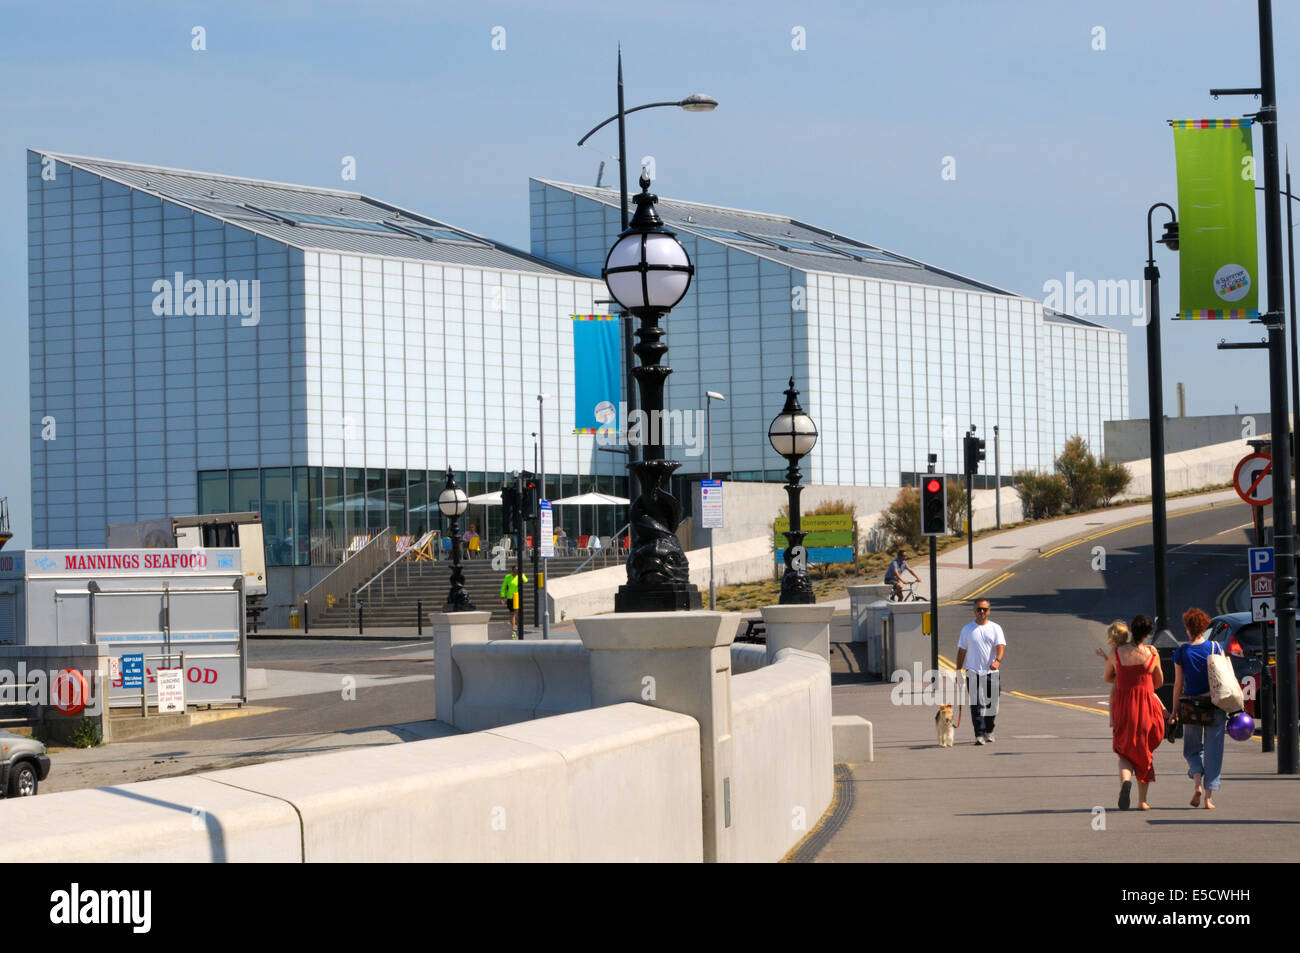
980, 649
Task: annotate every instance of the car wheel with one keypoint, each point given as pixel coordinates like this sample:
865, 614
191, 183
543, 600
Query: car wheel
22, 780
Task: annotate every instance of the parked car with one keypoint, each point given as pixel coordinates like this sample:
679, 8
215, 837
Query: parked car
1242, 639
23, 765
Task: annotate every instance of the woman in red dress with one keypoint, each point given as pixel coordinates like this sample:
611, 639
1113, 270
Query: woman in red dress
1137, 717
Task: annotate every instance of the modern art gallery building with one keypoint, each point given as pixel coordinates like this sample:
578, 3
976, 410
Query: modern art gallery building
204, 343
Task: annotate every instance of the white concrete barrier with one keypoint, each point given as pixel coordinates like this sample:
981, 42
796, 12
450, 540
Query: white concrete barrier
616, 783
190, 820
506, 681
784, 771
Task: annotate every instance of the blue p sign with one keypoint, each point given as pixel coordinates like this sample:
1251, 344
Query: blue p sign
1261, 559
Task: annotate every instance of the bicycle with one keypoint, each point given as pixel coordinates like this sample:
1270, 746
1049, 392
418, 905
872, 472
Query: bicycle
907, 592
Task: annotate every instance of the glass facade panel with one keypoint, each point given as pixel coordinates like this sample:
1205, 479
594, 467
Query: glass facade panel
277, 516
355, 502
376, 507
417, 503
214, 492
397, 501
245, 492
333, 531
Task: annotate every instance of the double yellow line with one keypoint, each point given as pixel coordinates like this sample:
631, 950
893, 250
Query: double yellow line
1221, 603
996, 581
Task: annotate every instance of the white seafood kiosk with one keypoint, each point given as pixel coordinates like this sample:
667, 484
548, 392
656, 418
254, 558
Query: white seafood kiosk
179, 608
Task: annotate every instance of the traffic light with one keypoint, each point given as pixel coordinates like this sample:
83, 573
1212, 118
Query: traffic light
934, 505
973, 449
509, 510
528, 505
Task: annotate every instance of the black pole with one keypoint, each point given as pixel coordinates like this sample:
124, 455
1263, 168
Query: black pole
969, 456
1295, 360
1288, 749
306, 620
1156, 413
419, 619
519, 557
934, 595
361, 618
622, 144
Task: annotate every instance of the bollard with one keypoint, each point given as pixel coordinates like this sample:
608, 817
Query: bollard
419, 619
361, 618
306, 620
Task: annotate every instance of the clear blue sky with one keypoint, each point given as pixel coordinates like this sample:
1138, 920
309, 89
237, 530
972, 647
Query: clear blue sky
1059, 148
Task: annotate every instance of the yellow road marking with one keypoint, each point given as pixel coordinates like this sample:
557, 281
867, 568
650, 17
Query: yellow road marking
980, 591
1221, 603
1123, 526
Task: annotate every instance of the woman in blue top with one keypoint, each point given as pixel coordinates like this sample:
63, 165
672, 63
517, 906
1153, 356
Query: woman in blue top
1202, 744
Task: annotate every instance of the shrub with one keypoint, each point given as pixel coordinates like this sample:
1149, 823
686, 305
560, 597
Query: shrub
1114, 478
85, 735
1078, 468
901, 522
1042, 495
956, 507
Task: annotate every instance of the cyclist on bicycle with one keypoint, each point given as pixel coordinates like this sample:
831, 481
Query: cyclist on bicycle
894, 574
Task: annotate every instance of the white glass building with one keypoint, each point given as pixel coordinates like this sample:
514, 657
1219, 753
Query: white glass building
202, 343
895, 358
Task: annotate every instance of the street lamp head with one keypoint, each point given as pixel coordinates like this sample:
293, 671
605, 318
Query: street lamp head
647, 269
792, 433
542, 397
452, 501
713, 395
1170, 238
698, 103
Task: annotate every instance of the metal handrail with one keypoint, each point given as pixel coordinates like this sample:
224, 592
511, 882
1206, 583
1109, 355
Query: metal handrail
604, 550
342, 582
381, 576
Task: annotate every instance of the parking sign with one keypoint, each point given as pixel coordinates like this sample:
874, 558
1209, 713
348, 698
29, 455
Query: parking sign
1260, 559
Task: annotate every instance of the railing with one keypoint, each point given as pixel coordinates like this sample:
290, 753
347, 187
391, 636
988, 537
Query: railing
389, 572
355, 571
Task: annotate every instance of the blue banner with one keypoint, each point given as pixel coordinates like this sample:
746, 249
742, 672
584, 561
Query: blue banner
597, 374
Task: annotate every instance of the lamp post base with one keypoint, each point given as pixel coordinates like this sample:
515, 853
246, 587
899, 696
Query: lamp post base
669, 597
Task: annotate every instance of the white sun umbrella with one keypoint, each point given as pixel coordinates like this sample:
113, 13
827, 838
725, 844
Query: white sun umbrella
590, 499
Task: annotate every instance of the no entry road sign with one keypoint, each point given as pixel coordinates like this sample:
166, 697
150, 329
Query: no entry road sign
1253, 479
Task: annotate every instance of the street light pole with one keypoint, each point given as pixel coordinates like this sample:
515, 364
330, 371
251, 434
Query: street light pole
1288, 748
1156, 411
1274, 319
541, 495
709, 397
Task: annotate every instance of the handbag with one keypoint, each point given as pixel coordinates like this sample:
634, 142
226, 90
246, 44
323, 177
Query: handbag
1196, 710
1224, 690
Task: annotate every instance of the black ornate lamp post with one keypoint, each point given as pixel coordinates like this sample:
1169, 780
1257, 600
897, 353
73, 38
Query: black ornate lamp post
453, 503
648, 272
793, 434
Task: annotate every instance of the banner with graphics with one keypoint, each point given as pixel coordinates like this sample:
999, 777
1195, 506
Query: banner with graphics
1218, 257
597, 373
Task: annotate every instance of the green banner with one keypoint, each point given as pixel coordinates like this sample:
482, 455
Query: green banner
1217, 253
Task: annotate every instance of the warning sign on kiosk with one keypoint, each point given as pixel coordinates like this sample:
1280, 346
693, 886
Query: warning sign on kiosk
171, 690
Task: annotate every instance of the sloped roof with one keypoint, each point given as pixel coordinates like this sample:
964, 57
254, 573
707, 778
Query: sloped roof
799, 245
316, 219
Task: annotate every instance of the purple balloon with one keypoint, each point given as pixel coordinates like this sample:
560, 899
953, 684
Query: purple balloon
1241, 726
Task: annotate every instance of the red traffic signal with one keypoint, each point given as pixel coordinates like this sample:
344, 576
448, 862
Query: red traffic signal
934, 506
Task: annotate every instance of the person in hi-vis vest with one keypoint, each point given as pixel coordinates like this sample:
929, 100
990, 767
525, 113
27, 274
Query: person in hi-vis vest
510, 598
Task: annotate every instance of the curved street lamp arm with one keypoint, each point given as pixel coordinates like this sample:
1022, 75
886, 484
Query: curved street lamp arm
625, 112
1151, 250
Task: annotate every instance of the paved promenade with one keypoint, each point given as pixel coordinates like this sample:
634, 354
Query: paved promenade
1047, 790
